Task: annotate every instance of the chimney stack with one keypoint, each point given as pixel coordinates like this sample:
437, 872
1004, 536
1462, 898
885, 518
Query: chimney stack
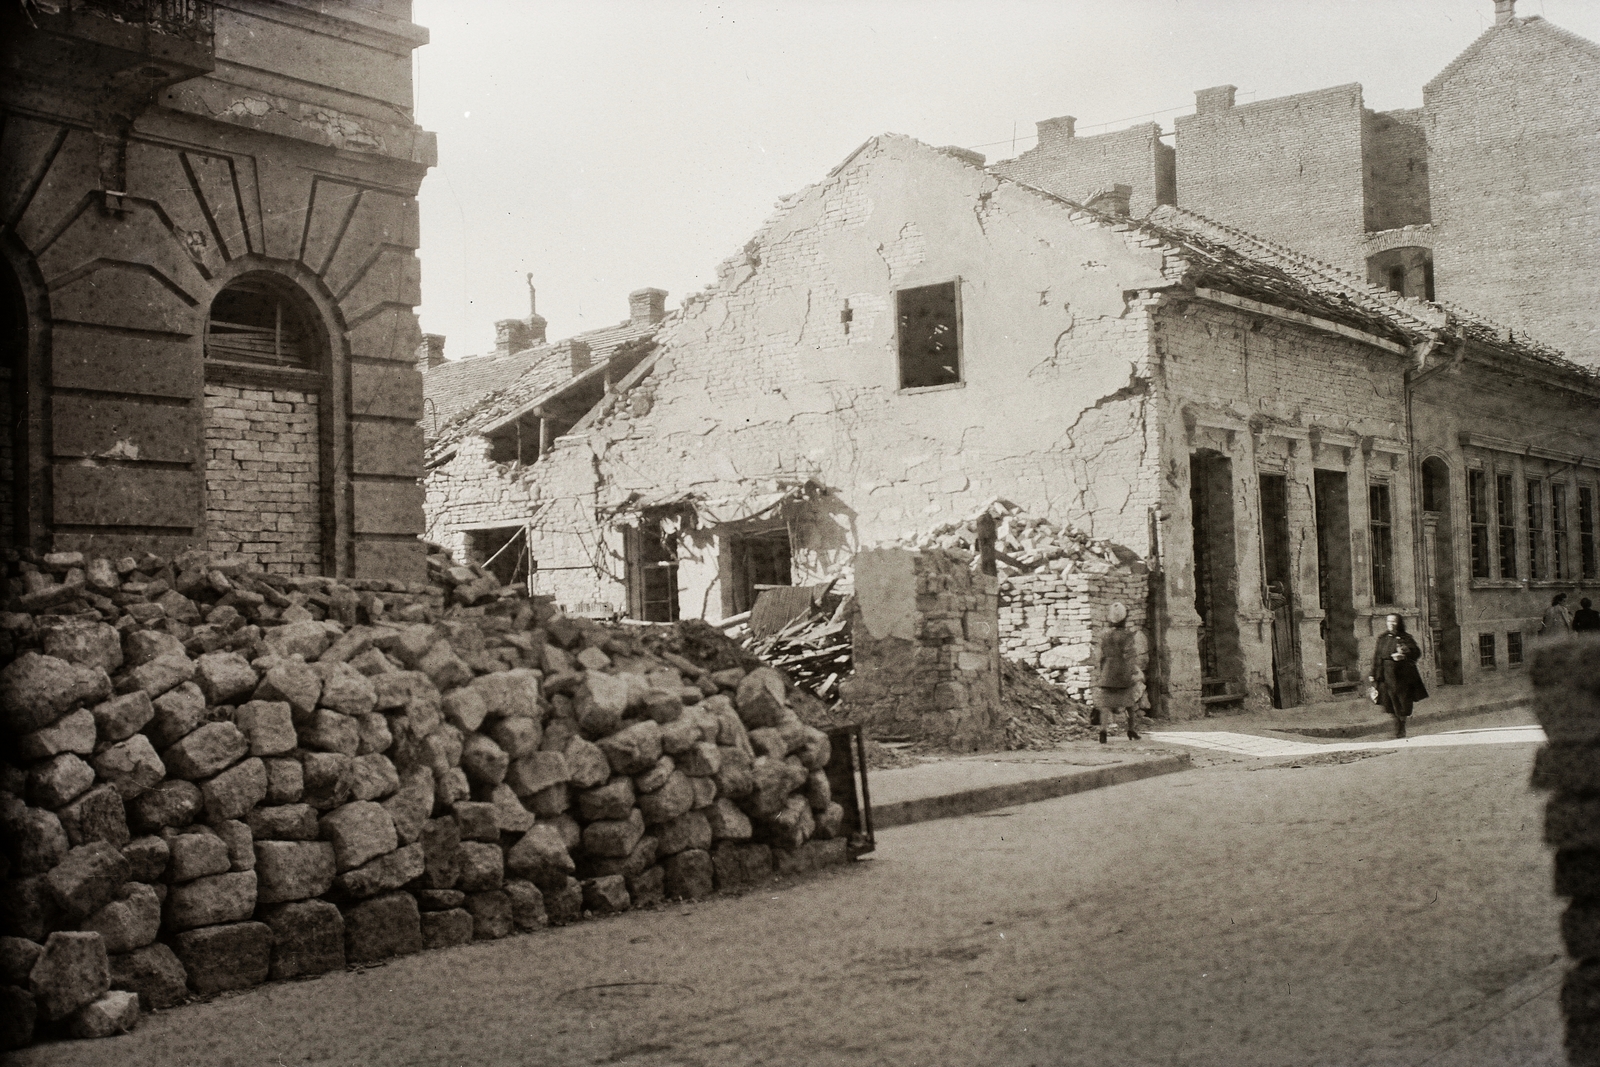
1217, 98
647, 306
1057, 131
535, 321
510, 335
430, 353
575, 352
1504, 11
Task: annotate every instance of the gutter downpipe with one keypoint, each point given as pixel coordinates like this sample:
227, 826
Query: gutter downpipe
1418, 372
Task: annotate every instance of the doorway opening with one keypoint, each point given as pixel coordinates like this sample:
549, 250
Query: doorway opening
1335, 581
1438, 556
1279, 592
651, 555
1216, 577
757, 561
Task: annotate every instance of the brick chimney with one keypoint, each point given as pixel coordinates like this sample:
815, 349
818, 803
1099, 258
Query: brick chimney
1504, 11
510, 335
647, 306
1217, 98
1055, 132
430, 353
535, 321
1112, 201
575, 353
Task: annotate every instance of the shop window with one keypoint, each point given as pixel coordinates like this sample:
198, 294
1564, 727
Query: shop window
1486, 651
929, 333
757, 562
1514, 648
1478, 508
1381, 522
261, 319
652, 572
1505, 515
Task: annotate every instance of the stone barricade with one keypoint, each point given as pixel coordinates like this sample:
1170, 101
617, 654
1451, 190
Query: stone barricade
1048, 619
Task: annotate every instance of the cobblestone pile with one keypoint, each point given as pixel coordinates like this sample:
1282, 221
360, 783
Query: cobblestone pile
216, 777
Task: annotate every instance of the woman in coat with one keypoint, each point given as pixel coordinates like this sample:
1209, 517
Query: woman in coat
1394, 672
1114, 675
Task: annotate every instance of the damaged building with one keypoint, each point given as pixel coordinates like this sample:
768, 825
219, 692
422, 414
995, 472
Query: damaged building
1485, 196
208, 224
1294, 453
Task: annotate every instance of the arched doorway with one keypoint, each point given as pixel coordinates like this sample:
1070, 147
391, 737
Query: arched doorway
1438, 554
266, 370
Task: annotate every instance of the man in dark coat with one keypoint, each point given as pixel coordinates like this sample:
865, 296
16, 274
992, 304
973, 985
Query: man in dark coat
1394, 672
1585, 619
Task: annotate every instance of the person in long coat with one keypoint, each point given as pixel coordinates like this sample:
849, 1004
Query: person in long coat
1116, 672
1394, 675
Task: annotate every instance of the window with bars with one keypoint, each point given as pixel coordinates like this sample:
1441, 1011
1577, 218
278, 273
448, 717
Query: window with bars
1536, 556
929, 334
1560, 560
261, 319
1486, 651
1505, 515
1478, 515
1381, 522
1586, 555
1514, 647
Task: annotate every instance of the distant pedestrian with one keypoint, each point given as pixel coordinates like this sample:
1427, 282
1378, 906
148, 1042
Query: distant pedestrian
1586, 619
1394, 675
1117, 672
1557, 623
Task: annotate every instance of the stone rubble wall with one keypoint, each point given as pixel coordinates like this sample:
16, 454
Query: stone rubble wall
924, 648
1049, 619
263, 491
215, 777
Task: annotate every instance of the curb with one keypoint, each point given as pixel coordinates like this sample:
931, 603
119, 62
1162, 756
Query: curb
1362, 729
971, 801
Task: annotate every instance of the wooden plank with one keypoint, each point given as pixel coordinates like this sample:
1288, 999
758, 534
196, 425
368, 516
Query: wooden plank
125, 495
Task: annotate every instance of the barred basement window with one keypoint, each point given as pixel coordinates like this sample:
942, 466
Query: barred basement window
1514, 647
1586, 554
929, 331
1478, 507
1486, 651
261, 319
1505, 512
1536, 557
1381, 522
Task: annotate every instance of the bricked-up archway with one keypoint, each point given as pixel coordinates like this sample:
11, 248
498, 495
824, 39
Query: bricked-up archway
266, 359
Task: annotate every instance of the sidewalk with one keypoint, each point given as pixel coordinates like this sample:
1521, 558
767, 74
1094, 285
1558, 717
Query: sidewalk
963, 785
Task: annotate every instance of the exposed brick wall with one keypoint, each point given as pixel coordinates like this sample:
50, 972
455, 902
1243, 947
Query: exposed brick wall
263, 470
1289, 169
1515, 177
1395, 148
1077, 167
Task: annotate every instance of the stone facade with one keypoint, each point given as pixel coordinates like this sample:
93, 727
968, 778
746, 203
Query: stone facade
162, 173
1485, 196
263, 478
924, 634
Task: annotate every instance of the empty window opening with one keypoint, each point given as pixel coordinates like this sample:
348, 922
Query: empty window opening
1586, 549
1216, 571
521, 441
1478, 507
929, 333
1280, 589
1335, 578
1536, 555
1514, 648
1380, 521
1397, 280
260, 319
1435, 485
1505, 515
1560, 557
503, 552
757, 561
652, 572
1486, 651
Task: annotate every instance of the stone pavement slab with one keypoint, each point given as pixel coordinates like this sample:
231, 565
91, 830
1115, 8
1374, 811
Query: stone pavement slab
1358, 717
1267, 747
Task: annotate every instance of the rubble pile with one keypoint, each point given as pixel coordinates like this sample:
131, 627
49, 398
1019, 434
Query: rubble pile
813, 650
1031, 543
214, 778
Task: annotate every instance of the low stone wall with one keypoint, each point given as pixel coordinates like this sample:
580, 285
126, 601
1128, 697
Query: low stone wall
1049, 619
924, 648
1566, 680
215, 777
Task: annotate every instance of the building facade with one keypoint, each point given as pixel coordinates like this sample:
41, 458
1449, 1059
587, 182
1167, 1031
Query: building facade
208, 224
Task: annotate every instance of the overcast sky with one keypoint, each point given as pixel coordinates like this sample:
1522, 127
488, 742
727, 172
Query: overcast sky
607, 146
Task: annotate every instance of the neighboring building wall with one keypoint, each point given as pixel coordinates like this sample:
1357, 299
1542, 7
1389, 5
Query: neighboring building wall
1395, 151
1288, 169
1079, 167
263, 478
1274, 398
284, 144
786, 371
1052, 621
1515, 177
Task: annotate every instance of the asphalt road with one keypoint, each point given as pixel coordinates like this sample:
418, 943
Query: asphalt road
1393, 909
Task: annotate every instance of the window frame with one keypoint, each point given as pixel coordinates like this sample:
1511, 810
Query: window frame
960, 380
1478, 522
1587, 563
636, 566
1533, 502
1505, 503
1381, 534
1514, 648
1560, 535
1487, 652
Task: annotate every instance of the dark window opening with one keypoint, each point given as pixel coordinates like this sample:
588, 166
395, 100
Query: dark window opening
929, 336
1435, 489
1514, 647
1397, 280
758, 561
1427, 280
1505, 514
652, 572
1586, 553
1381, 522
503, 552
1559, 557
517, 443
1486, 651
1478, 506
1536, 557
260, 319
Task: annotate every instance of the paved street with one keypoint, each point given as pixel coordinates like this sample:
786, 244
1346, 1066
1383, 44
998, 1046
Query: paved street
1393, 909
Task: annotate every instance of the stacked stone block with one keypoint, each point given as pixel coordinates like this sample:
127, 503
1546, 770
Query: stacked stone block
219, 777
930, 673
262, 477
1566, 681
1050, 619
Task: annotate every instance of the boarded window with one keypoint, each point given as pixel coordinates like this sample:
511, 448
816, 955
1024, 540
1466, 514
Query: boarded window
1478, 506
1505, 515
260, 319
930, 335
1381, 521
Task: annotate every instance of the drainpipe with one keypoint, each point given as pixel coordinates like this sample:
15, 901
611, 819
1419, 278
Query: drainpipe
1418, 371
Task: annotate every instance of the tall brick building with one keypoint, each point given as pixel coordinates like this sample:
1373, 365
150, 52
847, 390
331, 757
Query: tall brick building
207, 221
1488, 196
1294, 452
